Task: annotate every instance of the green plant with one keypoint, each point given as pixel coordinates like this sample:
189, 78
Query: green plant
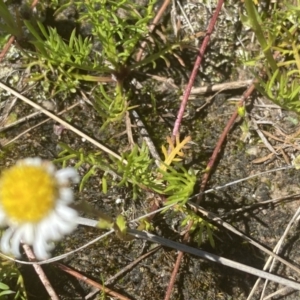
171, 180
278, 38
11, 284
112, 109
95, 160
180, 184
4, 290
199, 227
117, 30
119, 26
138, 171
59, 60
9, 23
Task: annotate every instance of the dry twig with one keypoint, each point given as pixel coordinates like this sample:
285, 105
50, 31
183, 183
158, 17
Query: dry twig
40, 273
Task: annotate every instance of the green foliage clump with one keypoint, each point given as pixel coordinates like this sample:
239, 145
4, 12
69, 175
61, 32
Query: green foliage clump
199, 226
111, 108
119, 26
11, 284
93, 159
103, 48
180, 184
138, 170
280, 62
59, 59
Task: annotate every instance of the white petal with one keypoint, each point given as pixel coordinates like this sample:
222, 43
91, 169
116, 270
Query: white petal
67, 228
64, 227
31, 161
28, 233
49, 166
47, 228
66, 195
60, 222
5, 240
65, 175
16, 240
66, 212
41, 248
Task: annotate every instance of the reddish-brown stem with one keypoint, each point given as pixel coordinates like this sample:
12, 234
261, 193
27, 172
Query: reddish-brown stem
220, 142
173, 276
91, 282
204, 182
197, 64
177, 124
152, 26
6, 47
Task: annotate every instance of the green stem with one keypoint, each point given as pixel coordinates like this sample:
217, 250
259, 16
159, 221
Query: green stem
256, 27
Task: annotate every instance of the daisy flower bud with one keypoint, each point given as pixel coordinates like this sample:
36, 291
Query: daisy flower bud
34, 200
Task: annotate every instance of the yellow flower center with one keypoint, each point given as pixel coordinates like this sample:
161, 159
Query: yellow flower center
27, 193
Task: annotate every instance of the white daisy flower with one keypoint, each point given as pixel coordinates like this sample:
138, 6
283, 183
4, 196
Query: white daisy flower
34, 200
